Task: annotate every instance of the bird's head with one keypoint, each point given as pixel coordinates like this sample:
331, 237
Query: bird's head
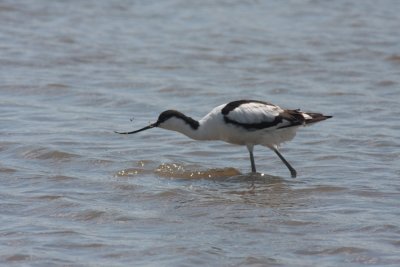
170, 120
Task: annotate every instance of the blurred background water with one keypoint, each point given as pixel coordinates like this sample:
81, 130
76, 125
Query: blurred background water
73, 193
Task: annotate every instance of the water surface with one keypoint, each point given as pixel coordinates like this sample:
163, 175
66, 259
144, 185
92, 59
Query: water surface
74, 193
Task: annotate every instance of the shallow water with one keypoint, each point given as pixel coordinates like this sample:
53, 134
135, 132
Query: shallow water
74, 193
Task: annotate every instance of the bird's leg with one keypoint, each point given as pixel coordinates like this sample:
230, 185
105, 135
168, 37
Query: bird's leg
291, 169
253, 165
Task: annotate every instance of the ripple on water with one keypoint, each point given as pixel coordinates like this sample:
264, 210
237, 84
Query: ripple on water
332, 251
48, 197
7, 170
90, 215
18, 257
132, 172
61, 178
394, 59
49, 154
175, 170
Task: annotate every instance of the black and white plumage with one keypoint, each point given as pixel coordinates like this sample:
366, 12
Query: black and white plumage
242, 122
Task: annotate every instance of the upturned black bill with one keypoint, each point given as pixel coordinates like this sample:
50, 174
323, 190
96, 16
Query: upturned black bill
145, 128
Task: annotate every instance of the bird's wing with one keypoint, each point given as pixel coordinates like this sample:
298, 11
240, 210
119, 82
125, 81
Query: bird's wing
255, 115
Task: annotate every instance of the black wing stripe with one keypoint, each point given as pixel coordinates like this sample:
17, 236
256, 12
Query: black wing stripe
294, 117
255, 126
232, 105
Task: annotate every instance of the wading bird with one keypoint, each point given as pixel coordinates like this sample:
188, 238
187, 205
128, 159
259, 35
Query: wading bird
242, 122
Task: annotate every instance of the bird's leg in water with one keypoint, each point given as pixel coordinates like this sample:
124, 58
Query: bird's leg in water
291, 169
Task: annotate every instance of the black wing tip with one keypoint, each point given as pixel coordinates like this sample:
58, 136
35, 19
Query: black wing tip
324, 117
316, 117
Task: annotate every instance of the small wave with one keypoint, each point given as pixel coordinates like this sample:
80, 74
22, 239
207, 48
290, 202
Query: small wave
131, 172
46, 154
7, 170
61, 178
173, 170
333, 251
48, 197
176, 170
90, 215
394, 58
18, 257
